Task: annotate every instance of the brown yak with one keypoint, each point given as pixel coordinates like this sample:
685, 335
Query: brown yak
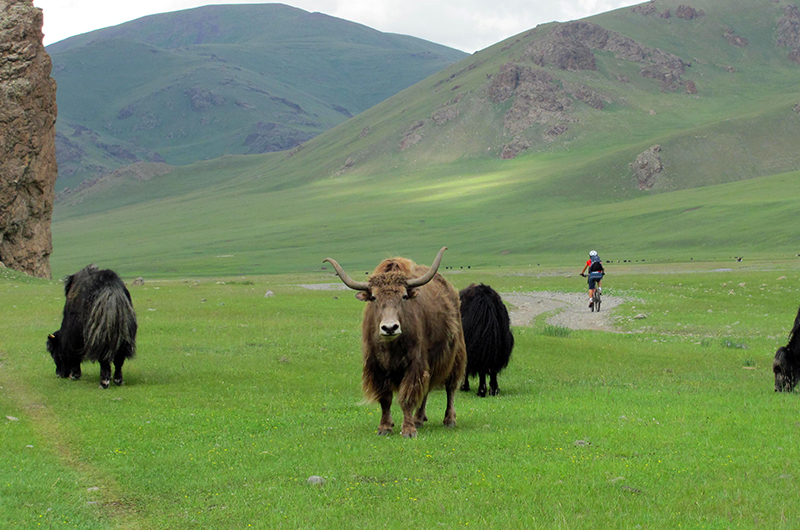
412, 339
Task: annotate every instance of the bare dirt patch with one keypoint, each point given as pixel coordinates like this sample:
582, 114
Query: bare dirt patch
573, 309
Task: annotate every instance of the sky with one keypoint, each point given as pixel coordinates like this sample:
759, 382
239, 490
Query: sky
467, 25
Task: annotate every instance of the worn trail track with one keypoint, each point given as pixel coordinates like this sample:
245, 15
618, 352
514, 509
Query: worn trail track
572, 309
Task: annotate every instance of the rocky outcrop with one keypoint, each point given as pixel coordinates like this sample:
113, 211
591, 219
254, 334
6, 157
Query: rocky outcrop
645, 9
271, 137
688, 12
27, 140
647, 167
413, 136
789, 31
538, 97
571, 46
200, 99
734, 39
132, 172
448, 111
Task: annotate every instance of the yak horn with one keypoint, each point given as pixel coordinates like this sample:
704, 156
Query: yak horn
428, 276
348, 281
51, 336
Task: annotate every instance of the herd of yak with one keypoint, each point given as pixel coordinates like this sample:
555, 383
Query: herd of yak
418, 333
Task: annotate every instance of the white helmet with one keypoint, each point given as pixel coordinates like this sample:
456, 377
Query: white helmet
593, 253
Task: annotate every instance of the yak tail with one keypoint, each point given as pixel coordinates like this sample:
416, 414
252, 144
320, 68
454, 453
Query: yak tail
111, 327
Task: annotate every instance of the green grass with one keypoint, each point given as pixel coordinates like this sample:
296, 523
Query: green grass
520, 215
235, 400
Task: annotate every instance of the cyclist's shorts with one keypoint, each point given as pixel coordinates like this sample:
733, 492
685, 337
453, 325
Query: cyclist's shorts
594, 277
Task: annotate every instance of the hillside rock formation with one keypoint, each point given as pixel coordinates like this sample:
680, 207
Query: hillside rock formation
734, 39
789, 32
539, 97
27, 140
570, 46
688, 12
647, 167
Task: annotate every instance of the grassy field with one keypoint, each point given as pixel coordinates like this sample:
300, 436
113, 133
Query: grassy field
236, 399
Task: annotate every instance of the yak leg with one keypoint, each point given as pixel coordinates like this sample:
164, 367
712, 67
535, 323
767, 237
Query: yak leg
386, 415
465, 385
119, 360
75, 371
421, 417
105, 374
493, 388
450, 411
482, 385
412, 395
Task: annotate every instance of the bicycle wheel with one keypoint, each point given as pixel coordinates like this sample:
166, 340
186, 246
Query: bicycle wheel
597, 301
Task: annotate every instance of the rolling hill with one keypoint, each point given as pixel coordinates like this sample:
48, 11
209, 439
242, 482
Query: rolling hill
656, 132
228, 79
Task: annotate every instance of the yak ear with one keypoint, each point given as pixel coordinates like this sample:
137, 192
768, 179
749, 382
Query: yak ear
365, 296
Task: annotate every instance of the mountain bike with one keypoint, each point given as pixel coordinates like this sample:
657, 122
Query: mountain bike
596, 298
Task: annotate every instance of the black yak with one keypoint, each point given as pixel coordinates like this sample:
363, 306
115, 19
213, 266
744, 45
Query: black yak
411, 339
786, 365
487, 334
99, 324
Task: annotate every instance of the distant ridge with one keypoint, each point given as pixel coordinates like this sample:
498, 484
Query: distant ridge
224, 79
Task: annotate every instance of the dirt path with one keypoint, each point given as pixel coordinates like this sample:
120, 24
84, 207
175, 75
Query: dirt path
573, 309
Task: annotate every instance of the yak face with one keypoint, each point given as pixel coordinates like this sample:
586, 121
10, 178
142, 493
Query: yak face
66, 365
390, 288
56, 352
785, 371
387, 298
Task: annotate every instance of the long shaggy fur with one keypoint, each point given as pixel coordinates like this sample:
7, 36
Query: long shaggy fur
99, 325
487, 334
786, 365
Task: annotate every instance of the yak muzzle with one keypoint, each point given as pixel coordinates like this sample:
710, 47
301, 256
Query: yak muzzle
390, 330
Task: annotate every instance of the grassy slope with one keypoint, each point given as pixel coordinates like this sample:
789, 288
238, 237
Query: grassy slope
236, 399
728, 188
272, 64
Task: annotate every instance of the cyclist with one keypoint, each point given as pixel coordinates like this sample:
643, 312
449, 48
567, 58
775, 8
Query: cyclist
596, 272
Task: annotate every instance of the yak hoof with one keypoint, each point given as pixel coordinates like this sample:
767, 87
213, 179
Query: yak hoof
495, 392
75, 377
105, 384
481, 393
384, 431
465, 387
118, 382
410, 434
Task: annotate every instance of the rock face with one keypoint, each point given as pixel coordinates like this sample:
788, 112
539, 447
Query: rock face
570, 46
789, 31
647, 167
27, 140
